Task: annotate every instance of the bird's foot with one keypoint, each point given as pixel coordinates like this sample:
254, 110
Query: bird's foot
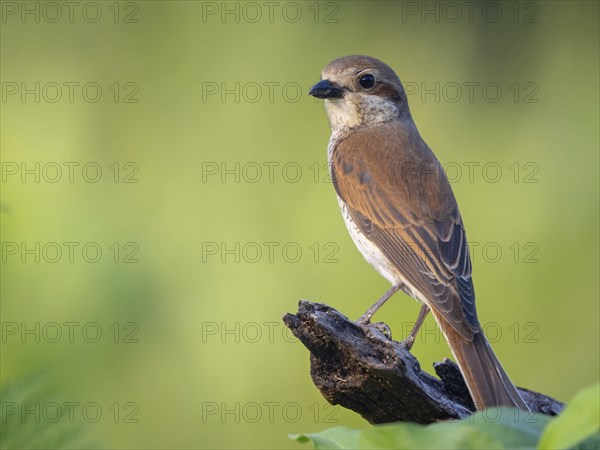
408, 342
365, 319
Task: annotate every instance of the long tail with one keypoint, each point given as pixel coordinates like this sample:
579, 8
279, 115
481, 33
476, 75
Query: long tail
488, 383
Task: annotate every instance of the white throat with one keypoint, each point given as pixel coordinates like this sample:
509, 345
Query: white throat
357, 109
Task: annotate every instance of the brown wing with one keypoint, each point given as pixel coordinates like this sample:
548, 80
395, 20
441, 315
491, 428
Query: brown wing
401, 200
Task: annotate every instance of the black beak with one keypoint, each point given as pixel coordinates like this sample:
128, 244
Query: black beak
326, 89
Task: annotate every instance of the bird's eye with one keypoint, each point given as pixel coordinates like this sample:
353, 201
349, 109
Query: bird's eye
367, 81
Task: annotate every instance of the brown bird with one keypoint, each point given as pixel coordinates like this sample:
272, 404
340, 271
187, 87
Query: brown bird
402, 215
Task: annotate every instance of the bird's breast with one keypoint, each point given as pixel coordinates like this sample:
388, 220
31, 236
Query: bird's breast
369, 250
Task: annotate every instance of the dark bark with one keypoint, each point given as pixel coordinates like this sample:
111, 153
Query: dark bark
360, 368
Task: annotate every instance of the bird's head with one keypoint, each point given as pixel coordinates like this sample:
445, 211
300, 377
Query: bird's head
360, 90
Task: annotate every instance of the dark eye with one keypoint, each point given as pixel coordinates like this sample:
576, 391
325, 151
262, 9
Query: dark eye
367, 81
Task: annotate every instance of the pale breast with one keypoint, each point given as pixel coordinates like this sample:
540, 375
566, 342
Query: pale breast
370, 251
367, 248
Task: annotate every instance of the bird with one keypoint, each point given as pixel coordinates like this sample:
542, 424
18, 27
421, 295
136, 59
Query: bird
402, 215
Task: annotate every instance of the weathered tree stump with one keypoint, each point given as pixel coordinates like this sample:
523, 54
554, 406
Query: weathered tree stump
360, 368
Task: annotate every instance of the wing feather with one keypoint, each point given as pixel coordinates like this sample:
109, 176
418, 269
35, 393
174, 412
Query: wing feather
413, 219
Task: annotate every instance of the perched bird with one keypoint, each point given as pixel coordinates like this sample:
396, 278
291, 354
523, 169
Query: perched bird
402, 215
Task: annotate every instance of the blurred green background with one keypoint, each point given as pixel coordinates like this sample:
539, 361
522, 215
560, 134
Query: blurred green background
214, 215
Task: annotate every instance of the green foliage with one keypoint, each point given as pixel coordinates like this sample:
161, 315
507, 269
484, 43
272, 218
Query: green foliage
579, 421
19, 430
495, 428
336, 437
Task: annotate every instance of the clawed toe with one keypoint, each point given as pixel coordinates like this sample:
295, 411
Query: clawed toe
408, 342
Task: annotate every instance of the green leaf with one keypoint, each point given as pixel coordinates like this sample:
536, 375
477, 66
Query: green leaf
494, 428
18, 431
333, 438
579, 421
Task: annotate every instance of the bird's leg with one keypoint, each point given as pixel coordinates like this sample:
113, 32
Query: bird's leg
410, 339
366, 317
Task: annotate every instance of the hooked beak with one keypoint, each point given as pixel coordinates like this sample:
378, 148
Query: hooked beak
326, 89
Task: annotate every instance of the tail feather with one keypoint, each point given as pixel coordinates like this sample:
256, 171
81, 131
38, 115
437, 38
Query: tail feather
488, 383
